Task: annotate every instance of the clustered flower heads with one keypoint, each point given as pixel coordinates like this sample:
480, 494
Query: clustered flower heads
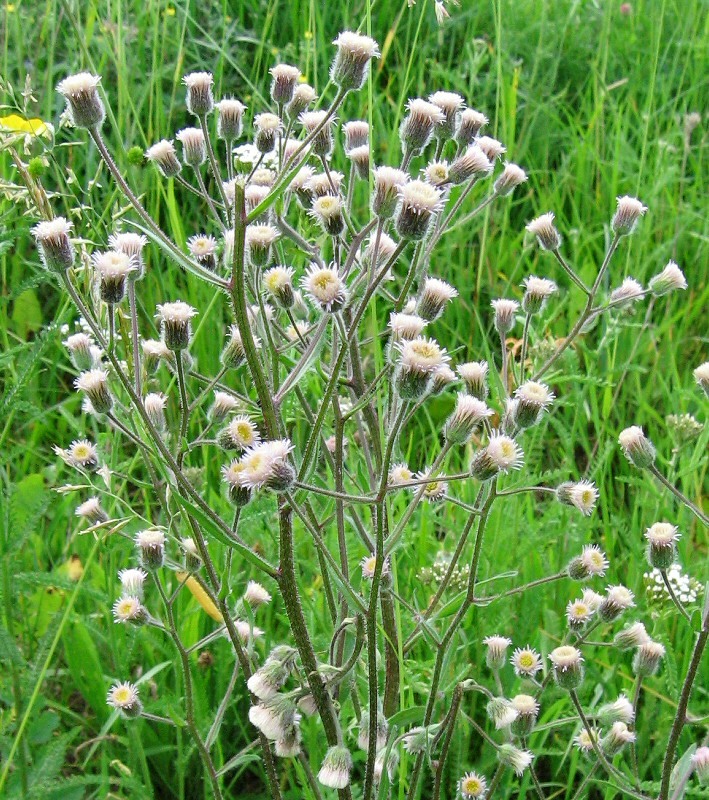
334, 338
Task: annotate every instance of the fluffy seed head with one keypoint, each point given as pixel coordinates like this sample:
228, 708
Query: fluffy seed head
626, 217
670, 279
544, 229
55, 247
513, 757
83, 101
636, 447
199, 100
501, 712
164, 156
336, 768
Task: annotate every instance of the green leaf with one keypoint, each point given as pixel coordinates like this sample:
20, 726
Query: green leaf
27, 313
85, 667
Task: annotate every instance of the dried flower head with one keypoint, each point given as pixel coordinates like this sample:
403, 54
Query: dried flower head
351, 63
285, 79
567, 665
419, 124
626, 217
230, 118
544, 229
617, 600
84, 104
194, 148
670, 279
55, 247
636, 447
509, 179
496, 653
164, 156
199, 100
472, 163
175, 324
418, 202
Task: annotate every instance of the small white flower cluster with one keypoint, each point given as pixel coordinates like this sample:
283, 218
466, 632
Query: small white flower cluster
685, 587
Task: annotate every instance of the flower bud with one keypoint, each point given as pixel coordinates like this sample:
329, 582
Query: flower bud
238, 492
92, 512
259, 240
620, 710
132, 245
701, 376
567, 665
256, 595
616, 739
203, 249
668, 280
590, 563
360, 158
627, 215
537, 291
544, 229
222, 406
418, 360
230, 117
628, 292
533, 399
450, 105
327, 212
199, 98
647, 659
356, 134
496, 654
501, 712
443, 377
636, 447
405, 326
55, 247
278, 282
154, 404
80, 346
164, 156
193, 560
351, 64
175, 324
83, 102
194, 148
303, 96
132, 581
491, 147
94, 384
151, 543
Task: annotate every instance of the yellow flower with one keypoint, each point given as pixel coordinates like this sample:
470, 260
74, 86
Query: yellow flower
17, 124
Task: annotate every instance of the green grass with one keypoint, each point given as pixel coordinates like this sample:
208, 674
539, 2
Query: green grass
591, 103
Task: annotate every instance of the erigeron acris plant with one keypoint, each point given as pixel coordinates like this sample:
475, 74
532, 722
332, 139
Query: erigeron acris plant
299, 264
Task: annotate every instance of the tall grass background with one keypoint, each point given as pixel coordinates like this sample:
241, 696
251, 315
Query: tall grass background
591, 102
